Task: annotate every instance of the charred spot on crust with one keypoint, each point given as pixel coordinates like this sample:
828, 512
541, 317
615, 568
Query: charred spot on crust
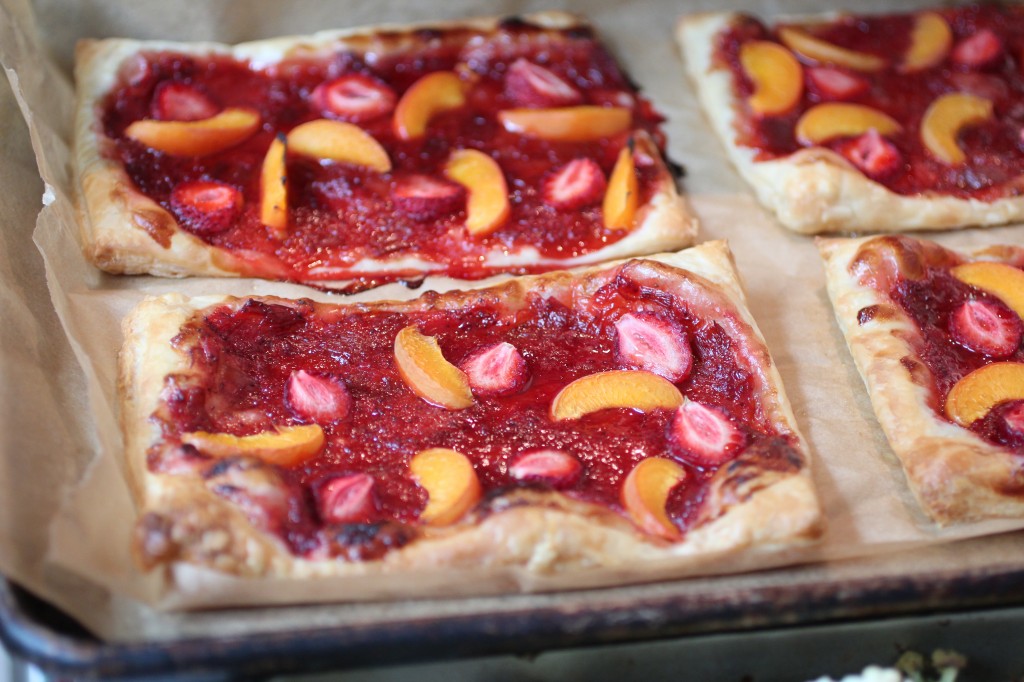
367, 541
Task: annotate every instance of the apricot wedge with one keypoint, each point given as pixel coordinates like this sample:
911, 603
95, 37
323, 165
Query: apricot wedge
450, 481
196, 138
830, 120
287, 446
973, 396
432, 94
425, 371
338, 141
930, 42
1003, 281
645, 492
777, 76
823, 52
946, 117
622, 196
487, 205
634, 389
274, 189
568, 124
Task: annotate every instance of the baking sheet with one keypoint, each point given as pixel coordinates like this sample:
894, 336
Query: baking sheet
83, 564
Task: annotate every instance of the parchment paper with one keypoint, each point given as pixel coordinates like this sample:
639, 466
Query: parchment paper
65, 511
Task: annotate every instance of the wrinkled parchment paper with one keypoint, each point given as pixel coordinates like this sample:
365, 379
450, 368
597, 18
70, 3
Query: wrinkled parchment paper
65, 509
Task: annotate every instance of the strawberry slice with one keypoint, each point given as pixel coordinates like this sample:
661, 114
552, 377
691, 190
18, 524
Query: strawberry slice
495, 370
704, 436
874, 155
355, 98
206, 207
978, 51
348, 499
832, 84
648, 342
985, 327
531, 85
423, 197
1013, 418
579, 183
175, 101
547, 466
321, 399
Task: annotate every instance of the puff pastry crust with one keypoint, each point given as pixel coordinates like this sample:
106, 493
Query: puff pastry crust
955, 475
126, 232
754, 506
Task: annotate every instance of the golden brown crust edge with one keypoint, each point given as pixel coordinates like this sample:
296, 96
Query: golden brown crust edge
124, 232
549, 538
815, 190
955, 476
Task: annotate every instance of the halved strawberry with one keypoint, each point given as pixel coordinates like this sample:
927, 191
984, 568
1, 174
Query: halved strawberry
531, 85
175, 101
832, 84
498, 369
977, 51
548, 466
984, 327
424, 197
205, 206
876, 156
648, 342
348, 499
704, 435
318, 398
579, 183
354, 97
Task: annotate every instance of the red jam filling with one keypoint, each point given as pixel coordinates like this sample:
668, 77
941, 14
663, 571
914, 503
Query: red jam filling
340, 213
244, 356
994, 148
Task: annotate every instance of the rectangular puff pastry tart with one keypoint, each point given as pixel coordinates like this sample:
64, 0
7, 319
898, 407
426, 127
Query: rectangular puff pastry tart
625, 418
936, 335
877, 123
463, 148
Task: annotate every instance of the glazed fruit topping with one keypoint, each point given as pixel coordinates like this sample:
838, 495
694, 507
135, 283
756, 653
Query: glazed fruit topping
546, 466
874, 155
425, 370
285, 446
825, 122
1002, 280
1013, 419
820, 51
487, 204
645, 493
354, 97
206, 207
450, 481
776, 74
704, 435
930, 40
196, 138
531, 85
946, 117
583, 123
575, 185
832, 84
176, 101
433, 94
979, 50
630, 389
274, 189
984, 327
647, 342
348, 499
329, 140
494, 370
976, 394
318, 398
423, 197
621, 199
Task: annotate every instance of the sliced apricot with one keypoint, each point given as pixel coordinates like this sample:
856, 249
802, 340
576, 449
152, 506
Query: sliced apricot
1003, 281
424, 369
622, 195
946, 117
777, 76
930, 42
287, 446
568, 124
824, 122
821, 51
196, 138
487, 205
274, 189
338, 141
450, 481
645, 492
432, 94
634, 389
973, 396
